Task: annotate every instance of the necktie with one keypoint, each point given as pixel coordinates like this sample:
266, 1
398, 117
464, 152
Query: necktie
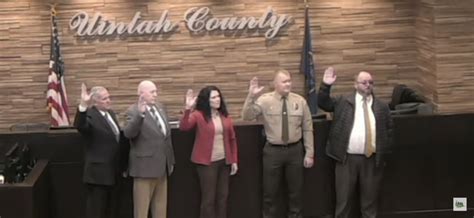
112, 126
368, 147
284, 121
157, 120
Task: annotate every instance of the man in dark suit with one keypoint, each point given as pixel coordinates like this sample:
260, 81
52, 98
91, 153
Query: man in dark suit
102, 162
151, 157
360, 137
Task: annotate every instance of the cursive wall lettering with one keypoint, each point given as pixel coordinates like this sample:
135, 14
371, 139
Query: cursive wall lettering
197, 19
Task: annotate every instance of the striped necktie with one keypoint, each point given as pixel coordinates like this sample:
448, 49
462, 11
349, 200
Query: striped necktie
112, 126
157, 120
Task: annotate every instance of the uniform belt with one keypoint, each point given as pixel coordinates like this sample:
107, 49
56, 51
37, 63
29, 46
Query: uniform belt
285, 145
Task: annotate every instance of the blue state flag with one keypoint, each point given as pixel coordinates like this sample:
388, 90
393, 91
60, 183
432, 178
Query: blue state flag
307, 67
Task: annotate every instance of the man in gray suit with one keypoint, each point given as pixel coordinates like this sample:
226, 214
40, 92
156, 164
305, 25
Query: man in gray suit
151, 153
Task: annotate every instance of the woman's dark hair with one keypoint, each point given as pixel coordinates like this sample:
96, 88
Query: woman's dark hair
203, 104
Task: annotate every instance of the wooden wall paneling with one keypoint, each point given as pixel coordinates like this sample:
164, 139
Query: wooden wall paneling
395, 40
454, 40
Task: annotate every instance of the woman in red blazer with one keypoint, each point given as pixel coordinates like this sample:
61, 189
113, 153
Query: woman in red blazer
215, 148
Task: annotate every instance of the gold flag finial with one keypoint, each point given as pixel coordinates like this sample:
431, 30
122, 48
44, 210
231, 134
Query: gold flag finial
306, 3
53, 9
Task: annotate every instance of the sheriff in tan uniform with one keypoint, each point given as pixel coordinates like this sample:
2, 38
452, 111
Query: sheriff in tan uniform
288, 126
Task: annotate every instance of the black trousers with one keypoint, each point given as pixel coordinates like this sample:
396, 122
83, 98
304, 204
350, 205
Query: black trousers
214, 182
282, 163
358, 172
102, 201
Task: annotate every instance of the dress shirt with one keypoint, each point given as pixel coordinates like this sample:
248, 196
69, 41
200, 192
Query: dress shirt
357, 138
268, 109
160, 119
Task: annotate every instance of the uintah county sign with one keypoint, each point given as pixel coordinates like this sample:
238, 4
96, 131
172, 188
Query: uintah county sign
197, 19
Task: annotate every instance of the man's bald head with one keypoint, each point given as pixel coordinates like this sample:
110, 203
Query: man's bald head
147, 92
364, 83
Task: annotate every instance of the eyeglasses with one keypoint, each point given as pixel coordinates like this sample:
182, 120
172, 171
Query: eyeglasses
367, 82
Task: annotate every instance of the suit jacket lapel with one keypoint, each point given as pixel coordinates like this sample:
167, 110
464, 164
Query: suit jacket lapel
165, 119
114, 118
104, 122
351, 99
149, 118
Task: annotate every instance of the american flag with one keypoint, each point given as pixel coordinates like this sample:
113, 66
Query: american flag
56, 93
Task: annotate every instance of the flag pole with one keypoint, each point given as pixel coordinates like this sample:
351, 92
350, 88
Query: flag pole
307, 65
52, 8
56, 94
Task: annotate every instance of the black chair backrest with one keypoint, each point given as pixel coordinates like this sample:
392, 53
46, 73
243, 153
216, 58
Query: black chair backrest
402, 94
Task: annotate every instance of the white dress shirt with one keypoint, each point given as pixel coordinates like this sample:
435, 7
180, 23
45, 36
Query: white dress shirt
357, 139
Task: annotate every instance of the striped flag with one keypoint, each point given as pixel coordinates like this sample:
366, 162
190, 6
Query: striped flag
56, 93
307, 66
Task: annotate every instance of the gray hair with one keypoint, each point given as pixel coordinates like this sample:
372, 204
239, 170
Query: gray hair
95, 92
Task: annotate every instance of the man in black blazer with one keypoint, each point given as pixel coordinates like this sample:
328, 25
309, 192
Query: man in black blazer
102, 161
359, 139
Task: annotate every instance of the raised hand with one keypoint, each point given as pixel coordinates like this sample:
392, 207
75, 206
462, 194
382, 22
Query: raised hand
141, 104
329, 76
254, 89
190, 99
85, 97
